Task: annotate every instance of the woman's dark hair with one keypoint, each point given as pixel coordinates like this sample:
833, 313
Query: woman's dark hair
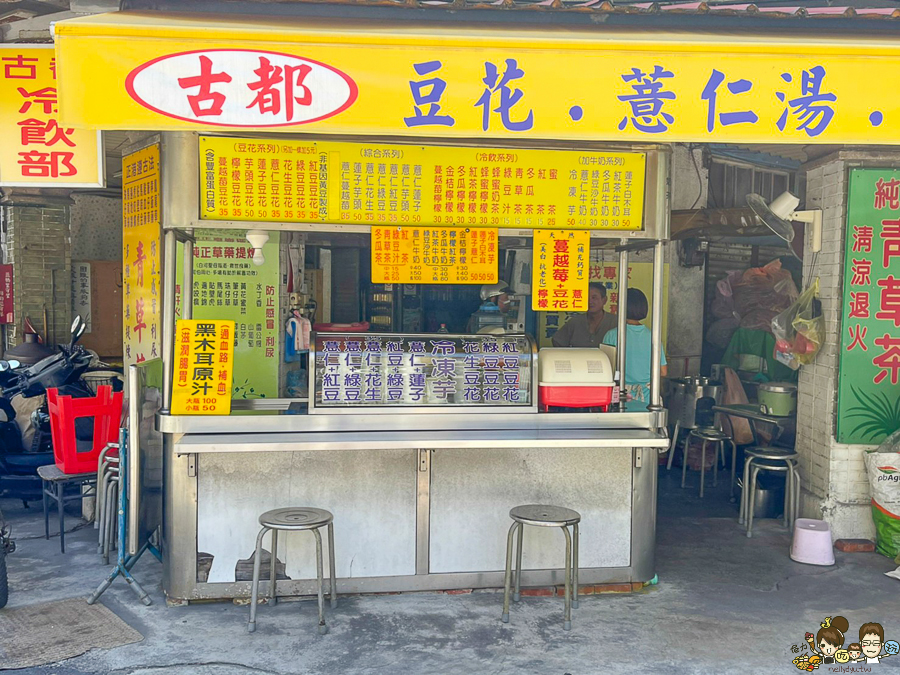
834, 634
597, 286
637, 305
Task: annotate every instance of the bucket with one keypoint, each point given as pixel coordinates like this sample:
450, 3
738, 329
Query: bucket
769, 499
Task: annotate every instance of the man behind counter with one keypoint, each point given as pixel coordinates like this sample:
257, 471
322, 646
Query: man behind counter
587, 330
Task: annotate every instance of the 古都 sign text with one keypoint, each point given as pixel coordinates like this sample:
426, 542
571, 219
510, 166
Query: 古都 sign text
560, 270
36, 150
380, 184
204, 366
434, 255
869, 376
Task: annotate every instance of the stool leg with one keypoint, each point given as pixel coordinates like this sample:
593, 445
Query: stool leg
254, 586
320, 582
273, 570
331, 565
673, 444
718, 451
684, 459
518, 586
568, 622
751, 501
575, 566
507, 579
733, 461
46, 495
62, 517
702, 466
796, 494
745, 493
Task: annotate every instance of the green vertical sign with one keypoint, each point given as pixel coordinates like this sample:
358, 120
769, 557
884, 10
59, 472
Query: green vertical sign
228, 285
869, 373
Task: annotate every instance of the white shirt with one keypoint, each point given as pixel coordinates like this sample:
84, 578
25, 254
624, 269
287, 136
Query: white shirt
872, 659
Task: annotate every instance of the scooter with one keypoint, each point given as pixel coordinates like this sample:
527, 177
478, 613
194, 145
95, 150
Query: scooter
19, 465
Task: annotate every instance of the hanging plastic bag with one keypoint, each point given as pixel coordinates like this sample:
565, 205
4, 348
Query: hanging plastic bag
883, 468
800, 330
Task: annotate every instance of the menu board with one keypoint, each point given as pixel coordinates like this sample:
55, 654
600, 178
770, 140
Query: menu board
374, 184
141, 255
434, 255
560, 270
204, 362
353, 371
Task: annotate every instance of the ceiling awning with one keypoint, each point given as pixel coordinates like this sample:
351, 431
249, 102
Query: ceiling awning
146, 71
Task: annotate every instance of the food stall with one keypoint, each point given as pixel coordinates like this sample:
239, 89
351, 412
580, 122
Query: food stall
418, 443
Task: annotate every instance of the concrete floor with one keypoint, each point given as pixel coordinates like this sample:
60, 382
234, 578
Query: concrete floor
723, 603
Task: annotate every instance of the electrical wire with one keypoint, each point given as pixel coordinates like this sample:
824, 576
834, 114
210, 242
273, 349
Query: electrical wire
699, 179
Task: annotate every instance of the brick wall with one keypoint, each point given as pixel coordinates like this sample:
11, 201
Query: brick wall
835, 484
37, 246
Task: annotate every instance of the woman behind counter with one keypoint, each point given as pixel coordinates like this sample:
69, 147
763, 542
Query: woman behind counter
637, 352
587, 330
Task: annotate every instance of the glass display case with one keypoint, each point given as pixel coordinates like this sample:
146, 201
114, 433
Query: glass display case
435, 372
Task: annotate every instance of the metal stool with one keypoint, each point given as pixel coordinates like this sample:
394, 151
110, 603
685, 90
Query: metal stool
758, 452
54, 487
541, 515
294, 519
709, 435
786, 464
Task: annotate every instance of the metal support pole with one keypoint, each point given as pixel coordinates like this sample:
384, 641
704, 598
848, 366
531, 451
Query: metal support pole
168, 319
623, 326
656, 328
187, 285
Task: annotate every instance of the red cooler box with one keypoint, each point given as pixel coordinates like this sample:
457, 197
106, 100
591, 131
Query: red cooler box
576, 378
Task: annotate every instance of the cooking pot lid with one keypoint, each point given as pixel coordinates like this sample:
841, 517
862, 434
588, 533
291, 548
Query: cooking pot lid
779, 387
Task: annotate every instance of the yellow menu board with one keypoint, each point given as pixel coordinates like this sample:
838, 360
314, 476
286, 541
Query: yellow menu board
560, 270
204, 366
434, 255
375, 184
141, 259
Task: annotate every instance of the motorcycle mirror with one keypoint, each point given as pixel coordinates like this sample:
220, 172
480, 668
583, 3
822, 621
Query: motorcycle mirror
75, 324
4, 366
14, 364
81, 329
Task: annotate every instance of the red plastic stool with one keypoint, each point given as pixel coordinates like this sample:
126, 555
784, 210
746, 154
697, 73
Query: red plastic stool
105, 408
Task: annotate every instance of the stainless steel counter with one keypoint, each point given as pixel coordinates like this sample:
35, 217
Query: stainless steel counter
403, 440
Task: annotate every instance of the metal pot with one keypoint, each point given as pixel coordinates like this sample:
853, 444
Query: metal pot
686, 391
777, 398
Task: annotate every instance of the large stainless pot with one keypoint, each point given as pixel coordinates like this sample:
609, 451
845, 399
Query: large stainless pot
684, 394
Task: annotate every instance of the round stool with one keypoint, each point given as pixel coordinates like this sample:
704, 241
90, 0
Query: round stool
787, 465
812, 542
709, 435
540, 515
294, 519
758, 452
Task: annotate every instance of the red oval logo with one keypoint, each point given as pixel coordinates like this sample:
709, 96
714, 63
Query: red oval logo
241, 88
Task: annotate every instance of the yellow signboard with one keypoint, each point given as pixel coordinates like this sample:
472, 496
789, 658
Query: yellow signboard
560, 270
434, 255
36, 150
204, 366
141, 297
126, 70
377, 183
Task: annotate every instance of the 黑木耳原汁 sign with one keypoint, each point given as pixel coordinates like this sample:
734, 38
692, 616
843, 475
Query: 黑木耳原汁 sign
204, 363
